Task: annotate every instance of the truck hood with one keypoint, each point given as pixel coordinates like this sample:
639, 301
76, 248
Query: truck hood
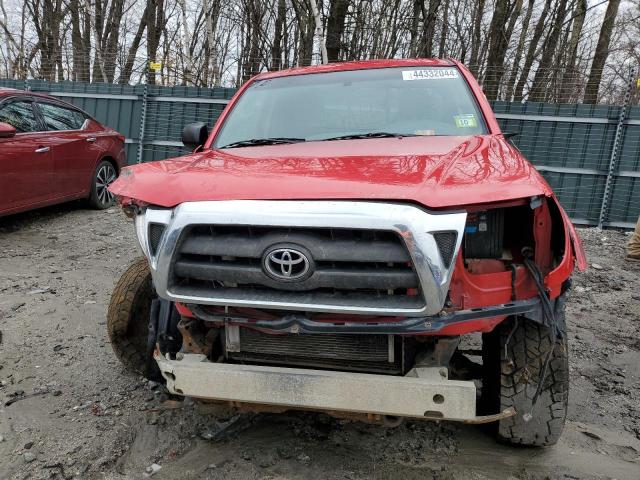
436, 172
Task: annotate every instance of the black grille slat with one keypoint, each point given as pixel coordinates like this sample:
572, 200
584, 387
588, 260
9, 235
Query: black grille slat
386, 278
218, 271
323, 250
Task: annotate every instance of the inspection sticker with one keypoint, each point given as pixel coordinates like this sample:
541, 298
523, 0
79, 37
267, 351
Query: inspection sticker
467, 120
429, 74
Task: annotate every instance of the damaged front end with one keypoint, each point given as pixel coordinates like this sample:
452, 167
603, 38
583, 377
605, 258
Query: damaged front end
224, 330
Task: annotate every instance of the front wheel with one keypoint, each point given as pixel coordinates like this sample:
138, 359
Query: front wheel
105, 174
128, 317
514, 358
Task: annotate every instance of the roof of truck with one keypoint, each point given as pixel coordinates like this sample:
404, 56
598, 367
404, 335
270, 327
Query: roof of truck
360, 65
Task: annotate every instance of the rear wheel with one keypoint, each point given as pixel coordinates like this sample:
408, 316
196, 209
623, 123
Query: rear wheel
128, 316
104, 176
514, 358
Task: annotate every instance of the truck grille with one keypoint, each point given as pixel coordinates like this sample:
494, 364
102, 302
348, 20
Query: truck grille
350, 267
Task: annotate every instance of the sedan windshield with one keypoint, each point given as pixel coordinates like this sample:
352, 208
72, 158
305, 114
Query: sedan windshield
376, 103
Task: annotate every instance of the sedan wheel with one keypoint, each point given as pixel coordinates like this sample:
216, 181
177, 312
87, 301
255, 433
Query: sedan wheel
105, 175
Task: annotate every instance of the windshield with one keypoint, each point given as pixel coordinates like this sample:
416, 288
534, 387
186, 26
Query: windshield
354, 104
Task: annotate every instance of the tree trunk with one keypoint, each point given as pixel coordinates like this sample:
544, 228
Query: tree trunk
155, 25
81, 60
517, 10
306, 29
112, 37
415, 21
601, 53
318, 31
475, 40
445, 27
335, 28
570, 78
211, 10
519, 49
47, 19
276, 49
254, 18
392, 46
187, 77
127, 69
544, 72
531, 51
429, 16
498, 43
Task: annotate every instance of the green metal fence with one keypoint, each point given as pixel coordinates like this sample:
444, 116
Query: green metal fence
150, 117
590, 154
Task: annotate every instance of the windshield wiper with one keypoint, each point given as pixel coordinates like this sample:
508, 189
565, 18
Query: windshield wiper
356, 136
264, 141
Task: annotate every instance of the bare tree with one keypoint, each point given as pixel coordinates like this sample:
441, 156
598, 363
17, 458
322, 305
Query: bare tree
498, 43
155, 22
335, 28
518, 49
570, 77
517, 57
531, 51
601, 53
47, 17
305, 31
475, 41
545, 69
278, 37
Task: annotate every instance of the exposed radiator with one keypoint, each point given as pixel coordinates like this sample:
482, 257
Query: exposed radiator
358, 353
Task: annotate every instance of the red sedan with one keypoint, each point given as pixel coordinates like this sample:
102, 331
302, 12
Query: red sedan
52, 152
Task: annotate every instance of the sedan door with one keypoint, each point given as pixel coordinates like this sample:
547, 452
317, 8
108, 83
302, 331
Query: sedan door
74, 149
26, 163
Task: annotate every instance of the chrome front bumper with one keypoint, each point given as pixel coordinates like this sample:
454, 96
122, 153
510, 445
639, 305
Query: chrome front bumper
414, 225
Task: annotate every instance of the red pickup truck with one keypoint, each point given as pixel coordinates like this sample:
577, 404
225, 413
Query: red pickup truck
355, 238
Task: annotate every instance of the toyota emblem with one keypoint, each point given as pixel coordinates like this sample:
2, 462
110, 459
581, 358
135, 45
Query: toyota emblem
287, 264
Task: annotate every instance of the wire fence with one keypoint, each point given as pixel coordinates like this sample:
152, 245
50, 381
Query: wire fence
557, 85
590, 154
518, 81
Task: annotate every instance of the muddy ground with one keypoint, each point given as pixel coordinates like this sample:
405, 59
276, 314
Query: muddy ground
68, 410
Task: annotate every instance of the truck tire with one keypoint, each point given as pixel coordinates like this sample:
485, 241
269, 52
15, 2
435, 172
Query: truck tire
128, 316
514, 355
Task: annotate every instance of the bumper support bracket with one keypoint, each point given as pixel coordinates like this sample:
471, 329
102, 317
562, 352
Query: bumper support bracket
424, 393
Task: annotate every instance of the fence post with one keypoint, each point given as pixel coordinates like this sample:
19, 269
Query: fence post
143, 121
615, 150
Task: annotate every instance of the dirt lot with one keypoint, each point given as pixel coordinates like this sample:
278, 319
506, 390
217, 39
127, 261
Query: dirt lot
68, 409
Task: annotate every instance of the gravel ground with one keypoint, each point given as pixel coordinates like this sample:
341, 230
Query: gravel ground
68, 410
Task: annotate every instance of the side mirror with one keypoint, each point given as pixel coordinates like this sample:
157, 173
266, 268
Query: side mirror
6, 130
195, 135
